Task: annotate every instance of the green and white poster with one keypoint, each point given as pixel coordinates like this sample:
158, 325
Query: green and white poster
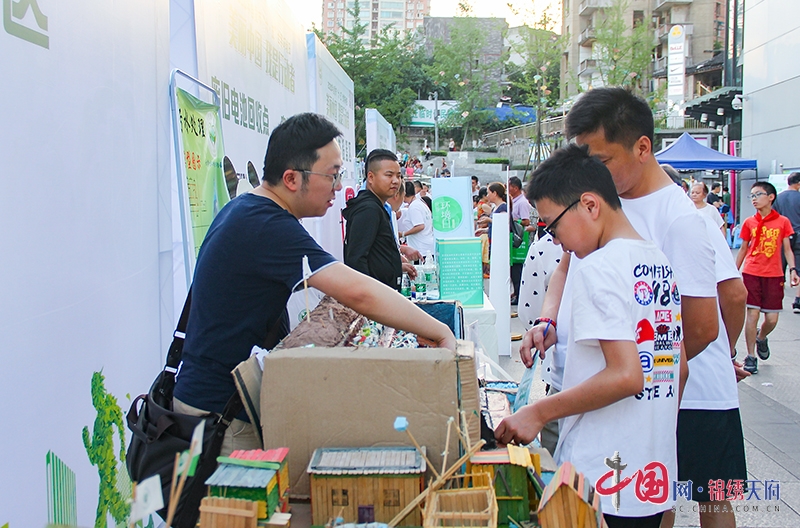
452, 208
201, 140
460, 271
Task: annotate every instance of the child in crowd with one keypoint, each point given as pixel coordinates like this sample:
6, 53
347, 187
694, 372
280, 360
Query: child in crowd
764, 236
620, 392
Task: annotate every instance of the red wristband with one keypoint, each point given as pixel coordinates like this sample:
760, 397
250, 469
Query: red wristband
544, 320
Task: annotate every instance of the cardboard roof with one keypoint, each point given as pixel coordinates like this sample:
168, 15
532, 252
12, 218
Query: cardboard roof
687, 154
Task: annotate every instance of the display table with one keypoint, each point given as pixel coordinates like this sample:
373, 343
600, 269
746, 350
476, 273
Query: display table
485, 332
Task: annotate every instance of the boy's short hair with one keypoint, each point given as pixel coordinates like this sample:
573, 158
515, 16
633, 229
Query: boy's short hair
794, 178
474, 178
410, 190
623, 116
378, 155
567, 174
294, 144
767, 187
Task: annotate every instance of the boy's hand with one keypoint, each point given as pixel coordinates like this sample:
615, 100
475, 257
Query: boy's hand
741, 373
535, 339
520, 428
794, 277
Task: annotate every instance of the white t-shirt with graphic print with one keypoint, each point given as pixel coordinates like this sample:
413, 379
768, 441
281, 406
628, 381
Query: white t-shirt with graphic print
625, 291
700, 258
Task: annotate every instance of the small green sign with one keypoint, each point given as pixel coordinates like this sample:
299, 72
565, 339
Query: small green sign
460, 271
447, 214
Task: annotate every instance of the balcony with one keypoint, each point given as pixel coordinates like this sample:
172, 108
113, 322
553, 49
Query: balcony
588, 7
660, 67
587, 37
587, 67
662, 32
666, 5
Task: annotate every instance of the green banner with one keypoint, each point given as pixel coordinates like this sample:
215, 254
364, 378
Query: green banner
460, 271
203, 151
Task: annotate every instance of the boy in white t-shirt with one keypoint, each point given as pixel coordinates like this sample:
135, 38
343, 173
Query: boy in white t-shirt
620, 390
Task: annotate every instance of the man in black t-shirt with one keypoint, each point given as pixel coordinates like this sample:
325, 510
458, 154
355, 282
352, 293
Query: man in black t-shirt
251, 261
713, 197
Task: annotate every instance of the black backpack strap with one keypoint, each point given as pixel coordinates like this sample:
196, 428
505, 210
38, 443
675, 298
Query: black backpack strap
176, 348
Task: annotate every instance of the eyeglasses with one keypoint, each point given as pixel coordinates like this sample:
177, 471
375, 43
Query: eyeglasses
337, 178
756, 195
551, 229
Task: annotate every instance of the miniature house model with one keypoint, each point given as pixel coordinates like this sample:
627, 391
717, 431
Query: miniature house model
569, 500
365, 484
253, 475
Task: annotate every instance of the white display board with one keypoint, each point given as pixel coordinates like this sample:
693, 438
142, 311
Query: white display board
87, 255
452, 208
424, 114
253, 53
380, 133
331, 94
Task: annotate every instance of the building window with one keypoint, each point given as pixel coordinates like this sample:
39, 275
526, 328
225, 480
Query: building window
392, 5
391, 14
638, 18
391, 498
330, 23
339, 497
718, 10
330, 14
331, 5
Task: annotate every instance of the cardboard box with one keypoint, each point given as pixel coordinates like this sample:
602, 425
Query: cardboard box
349, 397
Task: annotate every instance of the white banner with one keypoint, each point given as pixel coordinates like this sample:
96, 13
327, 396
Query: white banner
331, 94
86, 248
424, 115
253, 53
380, 133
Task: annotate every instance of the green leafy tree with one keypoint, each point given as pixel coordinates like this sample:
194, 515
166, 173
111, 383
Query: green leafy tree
623, 50
388, 75
461, 72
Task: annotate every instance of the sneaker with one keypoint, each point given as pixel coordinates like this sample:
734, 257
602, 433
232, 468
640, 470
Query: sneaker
762, 348
796, 305
751, 364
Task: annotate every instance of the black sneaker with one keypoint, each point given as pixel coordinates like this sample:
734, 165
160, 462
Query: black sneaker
796, 305
762, 348
751, 364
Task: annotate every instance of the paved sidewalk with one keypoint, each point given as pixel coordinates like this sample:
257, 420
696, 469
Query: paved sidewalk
770, 407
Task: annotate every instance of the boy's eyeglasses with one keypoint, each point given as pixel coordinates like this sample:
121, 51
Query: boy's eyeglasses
337, 178
756, 195
551, 229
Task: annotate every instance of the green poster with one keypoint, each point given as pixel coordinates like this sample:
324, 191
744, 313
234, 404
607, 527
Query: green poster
203, 151
460, 271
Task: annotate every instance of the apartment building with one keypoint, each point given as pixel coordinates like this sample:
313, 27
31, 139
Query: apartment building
402, 15
580, 18
704, 27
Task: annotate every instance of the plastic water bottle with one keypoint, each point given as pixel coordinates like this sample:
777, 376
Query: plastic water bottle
420, 284
405, 286
431, 277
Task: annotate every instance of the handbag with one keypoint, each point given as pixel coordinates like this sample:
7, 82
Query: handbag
159, 433
517, 234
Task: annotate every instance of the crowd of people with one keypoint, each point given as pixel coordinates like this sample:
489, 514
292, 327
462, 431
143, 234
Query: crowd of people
630, 287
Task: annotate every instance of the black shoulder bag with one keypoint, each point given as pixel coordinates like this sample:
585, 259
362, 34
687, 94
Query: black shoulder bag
159, 433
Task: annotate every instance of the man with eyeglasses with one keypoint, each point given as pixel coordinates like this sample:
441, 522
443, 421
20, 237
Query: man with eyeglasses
618, 128
252, 260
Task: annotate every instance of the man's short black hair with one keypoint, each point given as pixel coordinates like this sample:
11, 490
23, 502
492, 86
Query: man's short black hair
715, 186
410, 190
766, 186
474, 178
623, 116
417, 184
294, 143
794, 178
567, 174
378, 155
515, 181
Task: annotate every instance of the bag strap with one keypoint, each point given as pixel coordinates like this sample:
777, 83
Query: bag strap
176, 348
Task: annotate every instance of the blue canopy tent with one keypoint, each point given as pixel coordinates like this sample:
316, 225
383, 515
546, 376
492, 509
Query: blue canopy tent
687, 154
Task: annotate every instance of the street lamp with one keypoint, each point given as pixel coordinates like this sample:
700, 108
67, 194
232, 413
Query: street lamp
435, 96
